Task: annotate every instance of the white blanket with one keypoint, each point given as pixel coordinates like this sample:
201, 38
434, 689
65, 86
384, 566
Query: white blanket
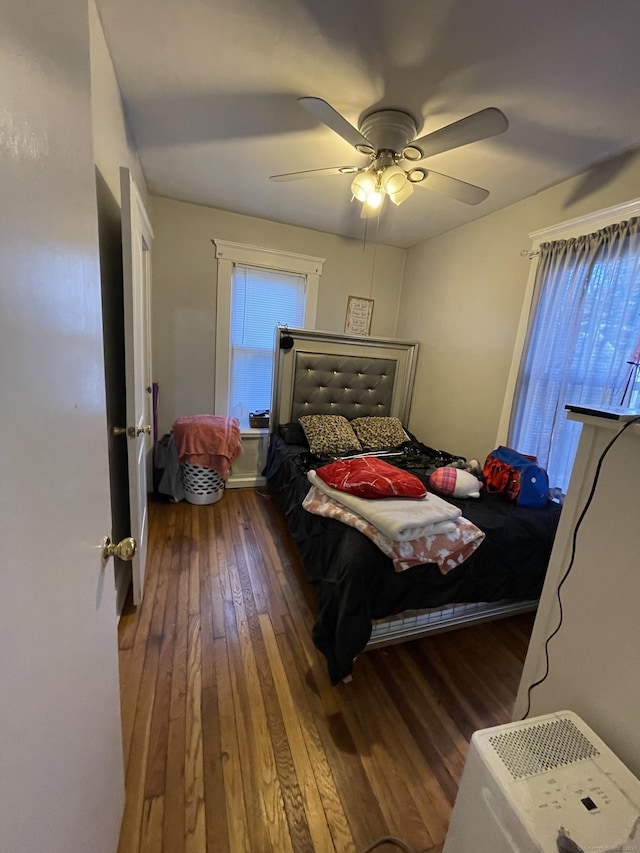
399, 519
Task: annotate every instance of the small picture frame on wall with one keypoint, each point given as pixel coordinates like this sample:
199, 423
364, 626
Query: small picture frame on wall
359, 314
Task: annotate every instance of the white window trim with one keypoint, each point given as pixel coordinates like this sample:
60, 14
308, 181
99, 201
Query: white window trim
228, 254
562, 231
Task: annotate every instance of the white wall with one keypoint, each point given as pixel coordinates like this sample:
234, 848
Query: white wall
112, 144
594, 665
184, 291
462, 297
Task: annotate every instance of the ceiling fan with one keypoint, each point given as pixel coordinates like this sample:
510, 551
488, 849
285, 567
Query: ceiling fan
388, 138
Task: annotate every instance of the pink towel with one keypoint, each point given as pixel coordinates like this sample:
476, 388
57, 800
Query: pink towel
212, 441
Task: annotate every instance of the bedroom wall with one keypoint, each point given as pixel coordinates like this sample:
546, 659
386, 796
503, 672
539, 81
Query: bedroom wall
184, 291
112, 144
462, 296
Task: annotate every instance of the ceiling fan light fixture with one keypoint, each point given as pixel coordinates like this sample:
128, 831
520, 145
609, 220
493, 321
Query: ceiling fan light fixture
403, 194
374, 199
363, 185
369, 150
412, 152
417, 175
393, 179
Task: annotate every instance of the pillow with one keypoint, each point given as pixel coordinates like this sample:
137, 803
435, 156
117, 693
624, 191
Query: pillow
329, 434
369, 477
455, 482
378, 433
292, 433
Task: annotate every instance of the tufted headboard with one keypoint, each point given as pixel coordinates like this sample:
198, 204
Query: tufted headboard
324, 373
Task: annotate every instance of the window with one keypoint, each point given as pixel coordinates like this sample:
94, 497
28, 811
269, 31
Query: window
258, 289
583, 333
260, 300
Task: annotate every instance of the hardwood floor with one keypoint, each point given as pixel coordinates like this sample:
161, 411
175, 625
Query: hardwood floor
234, 738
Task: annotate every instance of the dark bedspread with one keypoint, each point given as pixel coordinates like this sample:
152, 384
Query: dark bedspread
354, 582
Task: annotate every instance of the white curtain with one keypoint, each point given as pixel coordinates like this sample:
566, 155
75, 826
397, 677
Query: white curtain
584, 330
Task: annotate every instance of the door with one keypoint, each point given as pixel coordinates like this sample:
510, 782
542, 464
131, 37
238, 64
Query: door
110, 242
136, 259
61, 779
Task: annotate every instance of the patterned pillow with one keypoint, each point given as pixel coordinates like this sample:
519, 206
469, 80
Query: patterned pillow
378, 433
456, 482
369, 477
329, 434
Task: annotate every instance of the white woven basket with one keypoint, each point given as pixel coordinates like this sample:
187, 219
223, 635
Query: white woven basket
201, 485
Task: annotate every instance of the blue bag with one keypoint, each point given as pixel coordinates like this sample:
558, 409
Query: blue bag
516, 475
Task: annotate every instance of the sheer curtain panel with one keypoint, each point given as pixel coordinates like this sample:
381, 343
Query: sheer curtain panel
584, 329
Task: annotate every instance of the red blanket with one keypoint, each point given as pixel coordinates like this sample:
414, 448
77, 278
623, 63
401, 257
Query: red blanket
212, 441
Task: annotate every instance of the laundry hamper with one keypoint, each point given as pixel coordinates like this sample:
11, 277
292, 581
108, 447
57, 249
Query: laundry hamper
201, 485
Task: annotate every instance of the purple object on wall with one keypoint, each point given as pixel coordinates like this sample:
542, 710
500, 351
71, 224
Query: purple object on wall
156, 391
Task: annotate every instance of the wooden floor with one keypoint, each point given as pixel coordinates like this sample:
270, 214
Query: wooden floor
234, 739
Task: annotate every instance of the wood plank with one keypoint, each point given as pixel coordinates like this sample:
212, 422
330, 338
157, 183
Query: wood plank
268, 746
155, 778
138, 754
356, 794
174, 810
195, 828
211, 593
235, 816
213, 755
330, 796
382, 763
152, 821
154, 600
312, 801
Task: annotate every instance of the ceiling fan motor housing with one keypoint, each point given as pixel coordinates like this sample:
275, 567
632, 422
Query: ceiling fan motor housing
389, 130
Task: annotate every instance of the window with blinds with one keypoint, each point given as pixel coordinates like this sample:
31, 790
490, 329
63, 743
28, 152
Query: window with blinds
261, 299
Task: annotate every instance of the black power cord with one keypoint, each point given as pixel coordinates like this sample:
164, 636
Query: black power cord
389, 839
578, 524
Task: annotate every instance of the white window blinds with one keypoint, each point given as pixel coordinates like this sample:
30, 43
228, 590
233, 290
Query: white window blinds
261, 299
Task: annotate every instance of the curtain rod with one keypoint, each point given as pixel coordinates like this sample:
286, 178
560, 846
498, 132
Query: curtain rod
529, 253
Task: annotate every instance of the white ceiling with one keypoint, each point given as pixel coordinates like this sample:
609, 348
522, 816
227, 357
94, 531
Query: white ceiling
210, 89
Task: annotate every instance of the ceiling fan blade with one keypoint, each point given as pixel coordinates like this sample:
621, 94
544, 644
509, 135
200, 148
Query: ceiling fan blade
316, 173
454, 188
332, 118
480, 125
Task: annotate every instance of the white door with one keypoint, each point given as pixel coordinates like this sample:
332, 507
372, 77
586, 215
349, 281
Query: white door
136, 259
61, 769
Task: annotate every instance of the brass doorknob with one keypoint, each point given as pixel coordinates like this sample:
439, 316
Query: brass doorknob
134, 432
125, 549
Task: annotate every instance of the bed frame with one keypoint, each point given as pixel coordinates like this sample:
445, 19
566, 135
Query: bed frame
328, 373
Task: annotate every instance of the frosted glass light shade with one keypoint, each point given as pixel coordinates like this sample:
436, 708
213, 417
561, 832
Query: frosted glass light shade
393, 179
403, 194
374, 199
363, 185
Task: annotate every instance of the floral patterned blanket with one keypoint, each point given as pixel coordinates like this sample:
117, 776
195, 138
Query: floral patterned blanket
448, 549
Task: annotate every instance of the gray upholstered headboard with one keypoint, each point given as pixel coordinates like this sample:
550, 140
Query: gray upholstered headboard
325, 373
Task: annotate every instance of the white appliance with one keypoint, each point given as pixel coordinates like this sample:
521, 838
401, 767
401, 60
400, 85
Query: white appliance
544, 784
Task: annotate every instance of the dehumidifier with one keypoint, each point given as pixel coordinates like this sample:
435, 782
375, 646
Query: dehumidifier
544, 784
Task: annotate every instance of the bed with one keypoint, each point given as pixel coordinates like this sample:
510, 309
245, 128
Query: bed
362, 600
